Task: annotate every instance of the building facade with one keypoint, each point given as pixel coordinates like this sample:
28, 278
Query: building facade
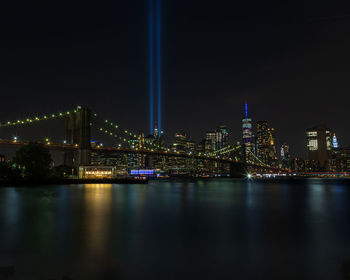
262, 139
340, 160
247, 136
221, 137
298, 165
266, 149
210, 141
319, 145
285, 156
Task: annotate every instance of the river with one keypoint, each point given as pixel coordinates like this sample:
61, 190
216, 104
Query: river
201, 229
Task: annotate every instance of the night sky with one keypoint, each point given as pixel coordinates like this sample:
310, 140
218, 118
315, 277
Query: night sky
289, 60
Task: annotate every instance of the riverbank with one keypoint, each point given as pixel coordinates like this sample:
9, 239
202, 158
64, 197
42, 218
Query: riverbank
58, 181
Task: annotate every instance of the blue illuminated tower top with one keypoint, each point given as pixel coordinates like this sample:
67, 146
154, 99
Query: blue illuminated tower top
335, 141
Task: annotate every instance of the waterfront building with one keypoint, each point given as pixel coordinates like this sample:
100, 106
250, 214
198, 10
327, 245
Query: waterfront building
319, 145
96, 172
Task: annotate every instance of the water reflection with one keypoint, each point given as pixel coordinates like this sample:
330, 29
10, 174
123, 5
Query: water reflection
222, 229
10, 210
95, 230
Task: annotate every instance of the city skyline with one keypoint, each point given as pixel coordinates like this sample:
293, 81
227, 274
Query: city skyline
174, 139
210, 65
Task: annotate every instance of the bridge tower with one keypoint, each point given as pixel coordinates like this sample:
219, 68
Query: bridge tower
78, 132
237, 169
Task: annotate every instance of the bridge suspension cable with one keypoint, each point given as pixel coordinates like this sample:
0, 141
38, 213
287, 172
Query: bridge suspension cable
225, 150
259, 160
32, 120
110, 125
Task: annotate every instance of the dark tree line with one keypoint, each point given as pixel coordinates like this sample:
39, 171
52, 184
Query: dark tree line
32, 161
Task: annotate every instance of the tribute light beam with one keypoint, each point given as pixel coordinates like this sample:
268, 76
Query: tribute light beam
151, 67
159, 76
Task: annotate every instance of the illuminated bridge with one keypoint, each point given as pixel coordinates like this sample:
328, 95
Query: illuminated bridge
130, 150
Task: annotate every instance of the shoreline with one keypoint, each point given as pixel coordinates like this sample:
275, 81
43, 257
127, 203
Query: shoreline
25, 182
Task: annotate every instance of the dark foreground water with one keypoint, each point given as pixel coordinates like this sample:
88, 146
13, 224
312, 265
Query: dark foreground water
215, 229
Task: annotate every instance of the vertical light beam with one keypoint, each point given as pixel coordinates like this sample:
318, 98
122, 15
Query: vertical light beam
159, 76
151, 67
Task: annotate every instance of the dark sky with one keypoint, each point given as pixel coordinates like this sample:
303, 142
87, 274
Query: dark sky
289, 59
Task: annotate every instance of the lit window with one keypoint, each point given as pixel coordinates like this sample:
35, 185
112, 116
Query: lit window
312, 145
311, 133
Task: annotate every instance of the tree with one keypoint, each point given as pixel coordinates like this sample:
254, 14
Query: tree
8, 172
35, 161
62, 171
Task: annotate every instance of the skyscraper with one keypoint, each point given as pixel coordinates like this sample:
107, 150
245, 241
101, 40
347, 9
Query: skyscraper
210, 141
334, 141
156, 132
180, 142
266, 144
247, 126
319, 145
262, 136
247, 136
285, 156
272, 159
221, 137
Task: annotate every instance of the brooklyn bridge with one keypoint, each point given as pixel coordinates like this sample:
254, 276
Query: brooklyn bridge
130, 149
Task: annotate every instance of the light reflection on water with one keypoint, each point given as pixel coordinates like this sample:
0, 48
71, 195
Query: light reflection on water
222, 229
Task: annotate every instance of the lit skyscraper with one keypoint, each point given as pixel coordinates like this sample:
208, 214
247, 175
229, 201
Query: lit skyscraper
248, 144
272, 160
210, 141
285, 156
319, 145
180, 142
266, 143
262, 140
335, 141
221, 140
156, 132
247, 126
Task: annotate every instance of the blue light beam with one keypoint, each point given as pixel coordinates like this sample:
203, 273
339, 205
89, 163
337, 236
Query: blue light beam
159, 76
151, 67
